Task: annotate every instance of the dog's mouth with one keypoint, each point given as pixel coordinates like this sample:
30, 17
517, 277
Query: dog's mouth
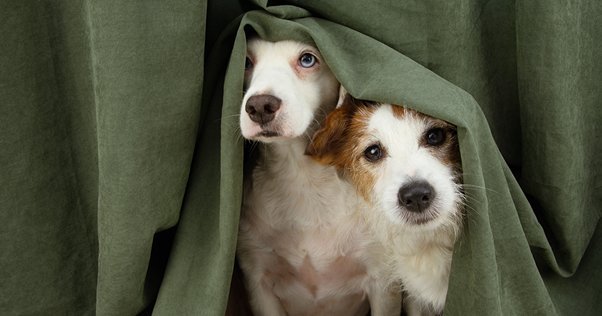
419, 219
268, 133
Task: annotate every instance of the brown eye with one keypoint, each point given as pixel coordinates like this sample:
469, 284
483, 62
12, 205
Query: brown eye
373, 153
435, 136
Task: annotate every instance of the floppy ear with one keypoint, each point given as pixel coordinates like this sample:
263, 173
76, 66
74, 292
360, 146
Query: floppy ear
328, 142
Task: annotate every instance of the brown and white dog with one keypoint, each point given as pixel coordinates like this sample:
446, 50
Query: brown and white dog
303, 247
406, 166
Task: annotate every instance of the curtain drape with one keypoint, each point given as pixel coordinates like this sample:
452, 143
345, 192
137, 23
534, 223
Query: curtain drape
121, 163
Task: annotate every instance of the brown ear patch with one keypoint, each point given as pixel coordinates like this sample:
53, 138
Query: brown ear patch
329, 141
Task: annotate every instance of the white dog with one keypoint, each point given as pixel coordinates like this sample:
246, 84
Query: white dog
406, 166
303, 246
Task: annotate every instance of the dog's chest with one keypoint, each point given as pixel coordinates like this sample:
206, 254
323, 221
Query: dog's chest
316, 270
307, 239
315, 260
300, 196
311, 216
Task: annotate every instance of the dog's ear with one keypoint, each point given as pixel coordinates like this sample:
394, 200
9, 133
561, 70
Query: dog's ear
346, 99
342, 95
328, 143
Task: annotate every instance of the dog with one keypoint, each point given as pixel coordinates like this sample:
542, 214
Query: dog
406, 166
303, 247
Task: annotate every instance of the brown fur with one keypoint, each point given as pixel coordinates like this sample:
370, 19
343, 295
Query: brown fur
333, 143
419, 245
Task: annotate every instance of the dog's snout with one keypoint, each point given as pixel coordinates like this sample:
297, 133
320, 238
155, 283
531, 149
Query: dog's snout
416, 196
262, 108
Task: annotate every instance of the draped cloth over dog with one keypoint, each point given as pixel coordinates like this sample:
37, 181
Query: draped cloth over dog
112, 203
504, 263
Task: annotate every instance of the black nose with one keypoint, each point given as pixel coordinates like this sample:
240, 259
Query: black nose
262, 108
416, 196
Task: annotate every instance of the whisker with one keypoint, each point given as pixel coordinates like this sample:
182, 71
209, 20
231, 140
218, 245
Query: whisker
310, 135
227, 117
306, 136
473, 201
253, 146
318, 124
322, 115
475, 187
471, 213
238, 134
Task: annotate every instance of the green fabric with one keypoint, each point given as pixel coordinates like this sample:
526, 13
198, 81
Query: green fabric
121, 162
99, 116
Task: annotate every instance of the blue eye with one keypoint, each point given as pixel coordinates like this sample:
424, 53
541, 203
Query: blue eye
248, 64
307, 60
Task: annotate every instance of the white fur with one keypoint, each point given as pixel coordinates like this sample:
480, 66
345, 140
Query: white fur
276, 72
419, 255
303, 245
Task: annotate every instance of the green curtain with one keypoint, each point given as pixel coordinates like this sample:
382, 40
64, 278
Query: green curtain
121, 163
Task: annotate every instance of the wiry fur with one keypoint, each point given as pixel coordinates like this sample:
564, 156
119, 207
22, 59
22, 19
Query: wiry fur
419, 245
302, 245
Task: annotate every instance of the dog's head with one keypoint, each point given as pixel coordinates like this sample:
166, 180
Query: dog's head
404, 163
287, 87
